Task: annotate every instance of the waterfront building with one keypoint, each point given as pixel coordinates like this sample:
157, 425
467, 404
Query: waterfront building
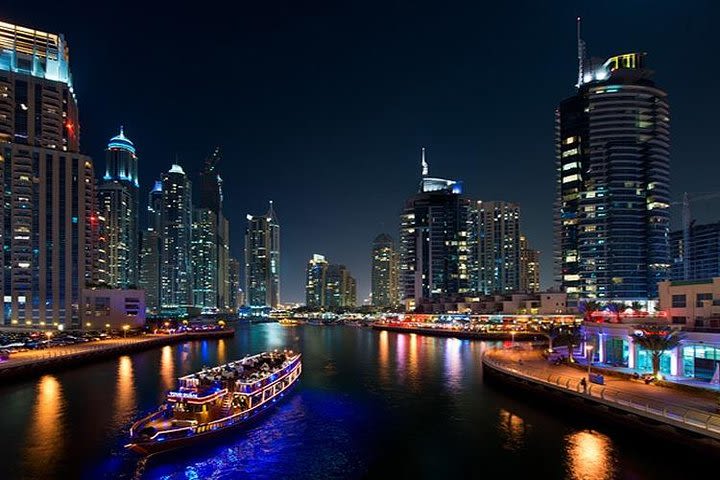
150, 250
497, 246
700, 258
118, 199
613, 182
49, 214
112, 308
384, 277
539, 303
694, 303
434, 248
204, 252
315, 281
529, 267
210, 198
262, 260
176, 223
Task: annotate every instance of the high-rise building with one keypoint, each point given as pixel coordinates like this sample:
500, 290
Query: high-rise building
434, 248
613, 182
384, 277
49, 214
497, 247
699, 259
315, 281
529, 267
176, 219
118, 199
203, 253
340, 287
262, 260
235, 290
210, 198
150, 250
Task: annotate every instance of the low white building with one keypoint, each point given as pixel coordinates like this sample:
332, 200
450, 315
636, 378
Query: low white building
693, 303
111, 308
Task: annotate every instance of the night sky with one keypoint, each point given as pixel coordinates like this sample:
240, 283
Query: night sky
323, 107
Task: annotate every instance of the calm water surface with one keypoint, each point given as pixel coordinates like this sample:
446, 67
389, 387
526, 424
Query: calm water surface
369, 404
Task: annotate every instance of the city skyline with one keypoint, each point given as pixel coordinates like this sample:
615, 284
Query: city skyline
439, 111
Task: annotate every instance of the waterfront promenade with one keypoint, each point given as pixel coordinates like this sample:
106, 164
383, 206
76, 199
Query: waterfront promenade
36, 362
686, 410
442, 331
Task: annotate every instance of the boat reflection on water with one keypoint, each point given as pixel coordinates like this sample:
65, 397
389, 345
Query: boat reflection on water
513, 430
47, 429
589, 456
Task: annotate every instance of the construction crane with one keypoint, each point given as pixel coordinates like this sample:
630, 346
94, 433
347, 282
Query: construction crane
687, 221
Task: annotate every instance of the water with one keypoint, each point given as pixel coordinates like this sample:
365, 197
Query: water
370, 404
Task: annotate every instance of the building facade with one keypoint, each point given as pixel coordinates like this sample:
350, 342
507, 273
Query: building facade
116, 309
497, 246
529, 267
694, 303
119, 204
340, 287
235, 290
435, 254
698, 256
384, 275
204, 252
176, 223
315, 279
49, 214
613, 183
151, 250
262, 260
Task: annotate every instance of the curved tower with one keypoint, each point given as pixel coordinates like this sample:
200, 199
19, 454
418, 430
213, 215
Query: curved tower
613, 177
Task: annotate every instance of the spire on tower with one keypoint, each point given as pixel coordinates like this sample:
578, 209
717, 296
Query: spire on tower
581, 55
423, 163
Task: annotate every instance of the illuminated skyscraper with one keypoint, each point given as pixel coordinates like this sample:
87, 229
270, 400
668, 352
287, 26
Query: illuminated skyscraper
49, 216
176, 218
529, 267
384, 276
340, 287
613, 182
235, 290
118, 198
262, 260
434, 248
315, 277
497, 247
150, 251
204, 257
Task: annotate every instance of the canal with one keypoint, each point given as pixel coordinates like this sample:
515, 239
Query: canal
370, 404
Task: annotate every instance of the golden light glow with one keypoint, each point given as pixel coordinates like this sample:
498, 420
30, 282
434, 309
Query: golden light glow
590, 456
221, 351
512, 430
167, 368
46, 428
125, 396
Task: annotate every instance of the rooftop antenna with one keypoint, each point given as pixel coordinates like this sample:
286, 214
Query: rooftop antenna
581, 54
423, 163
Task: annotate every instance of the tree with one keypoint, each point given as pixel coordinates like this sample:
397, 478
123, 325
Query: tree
616, 308
657, 339
636, 306
568, 337
587, 308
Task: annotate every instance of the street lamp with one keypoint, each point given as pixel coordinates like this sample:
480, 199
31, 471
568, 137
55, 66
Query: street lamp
588, 354
125, 329
513, 337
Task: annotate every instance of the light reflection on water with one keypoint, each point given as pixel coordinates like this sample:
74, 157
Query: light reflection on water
167, 368
590, 456
46, 430
513, 430
125, 407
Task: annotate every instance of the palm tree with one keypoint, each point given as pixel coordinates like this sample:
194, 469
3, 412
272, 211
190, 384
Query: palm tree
568, 337
636, 306
615, 308
587, 308
657, 339
551, 332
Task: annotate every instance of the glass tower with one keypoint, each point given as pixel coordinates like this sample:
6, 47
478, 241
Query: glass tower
384, 276
262, 260
176, 219
497, 247
613, 183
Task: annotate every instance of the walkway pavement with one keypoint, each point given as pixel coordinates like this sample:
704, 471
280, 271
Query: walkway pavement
532, 360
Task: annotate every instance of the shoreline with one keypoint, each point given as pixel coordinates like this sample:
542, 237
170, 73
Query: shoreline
27, 369
461, 334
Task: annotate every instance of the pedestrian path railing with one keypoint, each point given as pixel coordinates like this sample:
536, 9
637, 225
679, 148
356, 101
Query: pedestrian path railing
692, 418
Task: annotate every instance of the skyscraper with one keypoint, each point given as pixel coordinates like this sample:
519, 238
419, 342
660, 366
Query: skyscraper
262, 260
340, 287
613, 182
234, 275
699, 259
176, 219
434, 249
210, 198
204, 258
529, 267
118, 198
49, 217
315, 281
384, 277
150, 251
497, 254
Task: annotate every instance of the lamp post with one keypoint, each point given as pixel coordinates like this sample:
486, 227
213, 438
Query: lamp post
125, 329
512, 333
588, 354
